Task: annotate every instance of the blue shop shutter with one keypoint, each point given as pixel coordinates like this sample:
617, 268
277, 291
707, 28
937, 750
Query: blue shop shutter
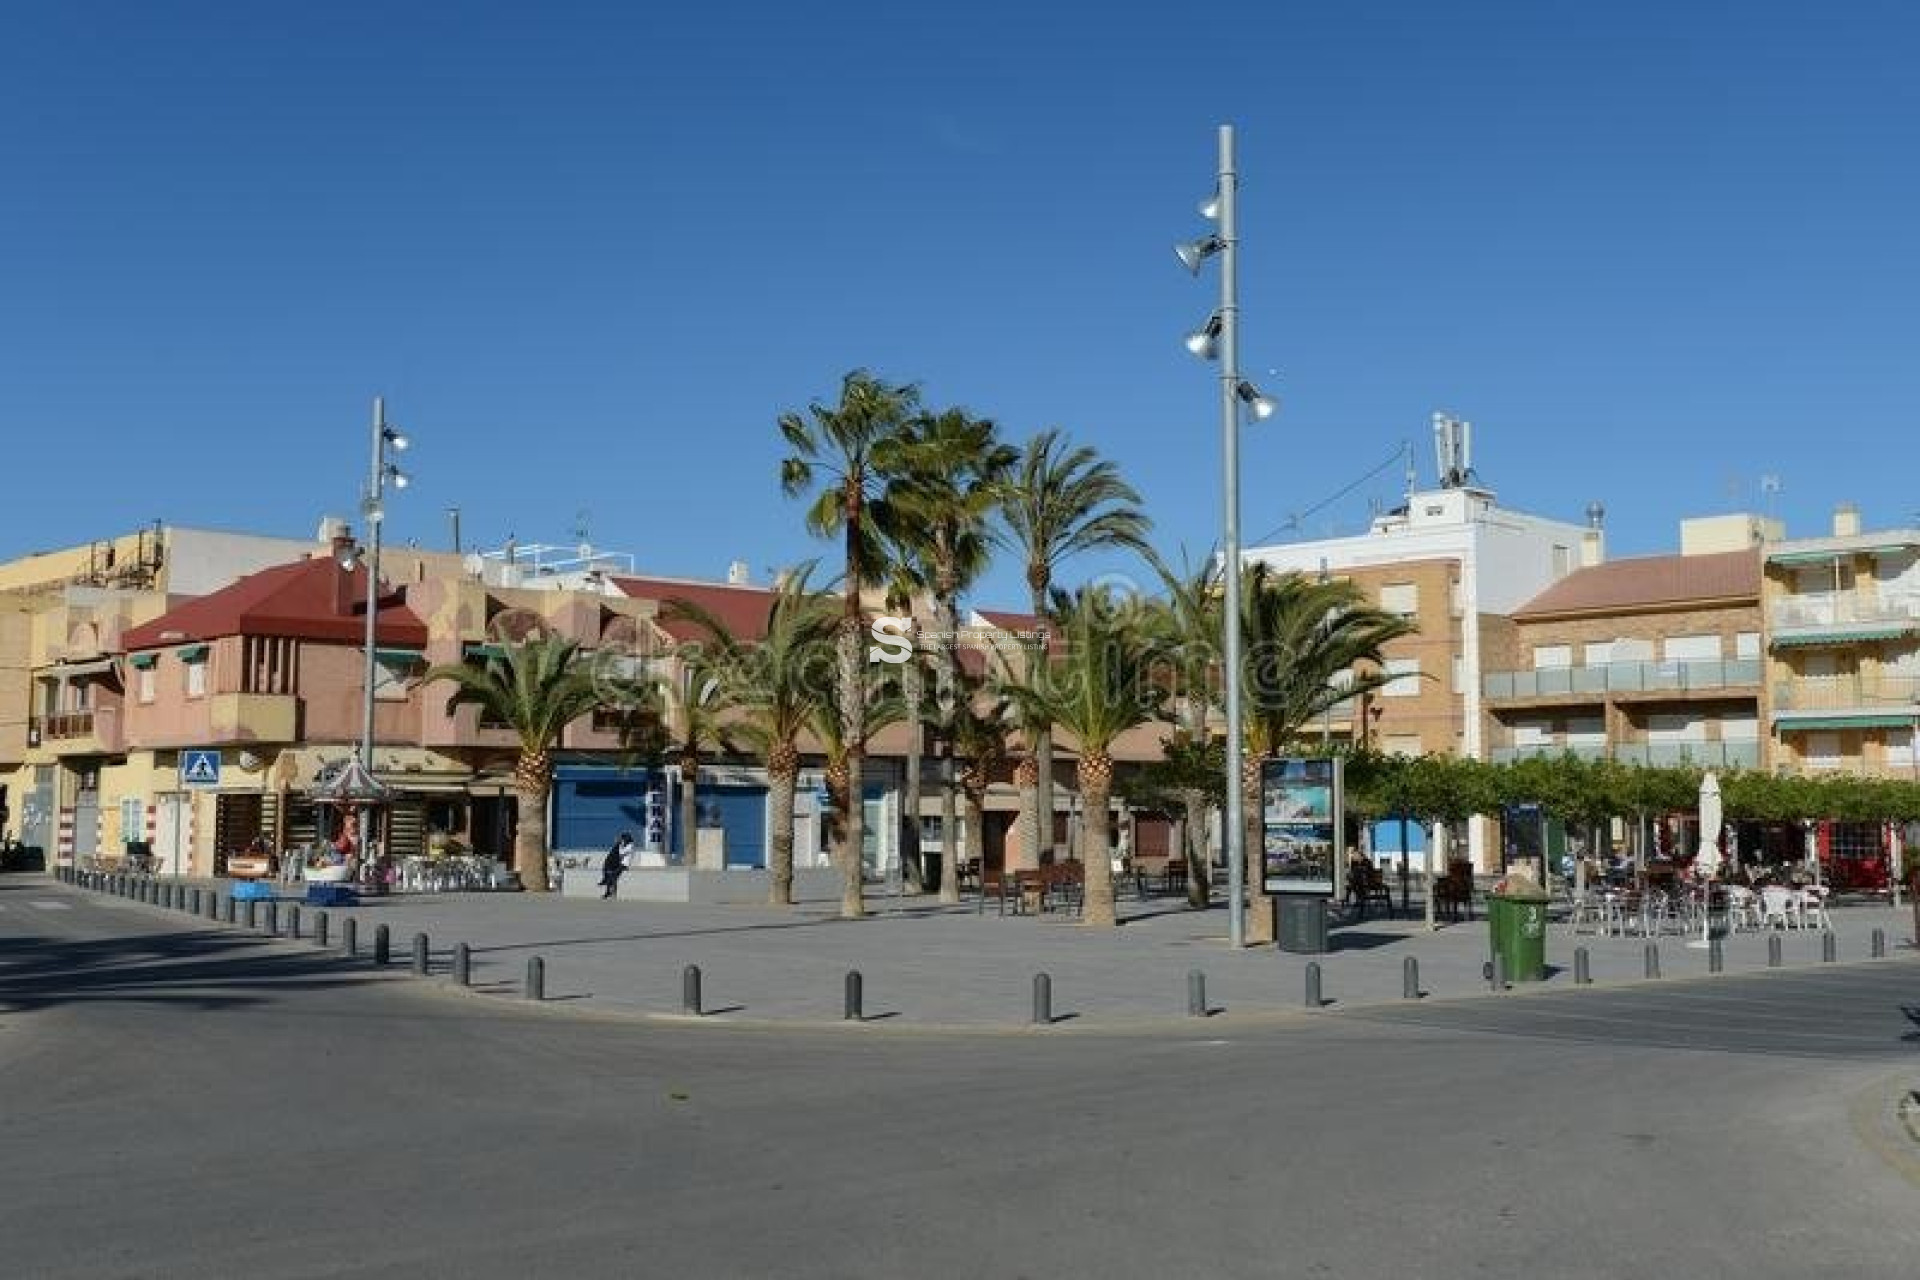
591, 807
743, 812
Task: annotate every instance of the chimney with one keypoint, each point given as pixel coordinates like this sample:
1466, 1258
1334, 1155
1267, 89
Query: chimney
1846, 520
345, 555
738, 575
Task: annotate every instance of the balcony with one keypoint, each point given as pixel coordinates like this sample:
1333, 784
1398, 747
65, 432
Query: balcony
1842, 617
1710, 755
1703, 675
93, 731
1847, 701
1550, 750
254, 717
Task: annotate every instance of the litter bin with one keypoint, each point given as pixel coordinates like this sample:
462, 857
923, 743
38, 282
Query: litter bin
1301, 926
1517, 921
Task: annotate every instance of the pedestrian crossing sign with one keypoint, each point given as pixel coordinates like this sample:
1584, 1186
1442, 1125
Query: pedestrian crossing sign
199, 768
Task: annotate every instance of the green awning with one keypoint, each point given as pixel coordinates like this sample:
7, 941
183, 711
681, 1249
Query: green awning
191, 652
400, 656
1865, 720
1852, 635
485, 651
1807, 557
143, 661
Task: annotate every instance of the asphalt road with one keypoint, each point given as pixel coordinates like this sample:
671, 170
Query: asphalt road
193, 1103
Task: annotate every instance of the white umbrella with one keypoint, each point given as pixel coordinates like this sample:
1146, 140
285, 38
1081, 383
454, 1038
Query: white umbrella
1706, 861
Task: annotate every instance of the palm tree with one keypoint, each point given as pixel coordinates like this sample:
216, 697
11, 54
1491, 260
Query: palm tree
884, 707
698, 728
1102, 684
953, 470
1190, 618
1306, 645
1059, 501
775, 687
976, 732
853, 445
536, 688
903, 583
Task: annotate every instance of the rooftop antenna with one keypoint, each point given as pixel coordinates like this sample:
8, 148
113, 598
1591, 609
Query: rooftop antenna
1453, 450
582, 528
1770, 492
1413, 476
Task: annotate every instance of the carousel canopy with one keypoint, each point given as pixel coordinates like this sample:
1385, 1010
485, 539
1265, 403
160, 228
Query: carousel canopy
350, 784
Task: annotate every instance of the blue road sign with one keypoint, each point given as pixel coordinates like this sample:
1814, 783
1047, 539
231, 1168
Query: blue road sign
199, 768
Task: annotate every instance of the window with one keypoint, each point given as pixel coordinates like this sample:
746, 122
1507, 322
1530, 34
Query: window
1739, 728
1402, 598
1459, 673
1552, 657
197, 677
1822, 751
1746, 644
1900, 748
143, 684
1690, 648
1562, 560
390, 672
1597, 655
1402, 744
1456, 599
1586, 731
1676, 727
1406, 678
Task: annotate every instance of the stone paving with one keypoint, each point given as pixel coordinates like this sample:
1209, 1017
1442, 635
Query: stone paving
925, 964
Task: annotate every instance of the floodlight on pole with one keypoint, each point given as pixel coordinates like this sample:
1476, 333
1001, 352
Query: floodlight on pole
1194, 252
1261, 406
1205, 341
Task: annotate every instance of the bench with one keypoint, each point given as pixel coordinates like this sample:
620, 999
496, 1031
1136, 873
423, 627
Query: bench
1453, 892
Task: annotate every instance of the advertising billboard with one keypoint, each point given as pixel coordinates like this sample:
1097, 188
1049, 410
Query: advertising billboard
1300, 805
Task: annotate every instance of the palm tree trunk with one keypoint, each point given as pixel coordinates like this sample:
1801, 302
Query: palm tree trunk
976, 808
853, 717
1096, 850
910, 685
950, 851
689, 809
1259, 907
782, 776
1193, 845
1026, 829
530, 838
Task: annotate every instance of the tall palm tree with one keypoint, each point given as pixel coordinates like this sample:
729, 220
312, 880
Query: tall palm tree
1189, 617
1102, 684
953, 471
1062, 500
536, 688
884, 707
976, 730
775, 687
698, 727
904, 582
852, 446
1306, 645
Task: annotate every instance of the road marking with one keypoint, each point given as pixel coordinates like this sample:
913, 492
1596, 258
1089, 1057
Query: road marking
45, 905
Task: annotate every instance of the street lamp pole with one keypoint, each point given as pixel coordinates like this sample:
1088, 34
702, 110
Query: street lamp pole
373, 509
1230, 449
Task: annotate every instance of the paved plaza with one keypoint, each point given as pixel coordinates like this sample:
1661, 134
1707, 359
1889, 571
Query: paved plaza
928, 965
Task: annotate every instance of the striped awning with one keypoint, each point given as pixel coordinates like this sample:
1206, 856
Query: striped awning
1851, 635
1864, 720
1838, 553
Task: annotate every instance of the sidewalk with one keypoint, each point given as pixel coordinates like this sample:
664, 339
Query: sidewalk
926, 964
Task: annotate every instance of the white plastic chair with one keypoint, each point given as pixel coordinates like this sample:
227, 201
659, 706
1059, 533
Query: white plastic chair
1776, 907
1813, 909
1743, 910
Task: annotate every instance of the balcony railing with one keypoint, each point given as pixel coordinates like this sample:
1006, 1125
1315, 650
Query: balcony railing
1843, 608
1892, 694
63, 724
1625, 677
1714, 755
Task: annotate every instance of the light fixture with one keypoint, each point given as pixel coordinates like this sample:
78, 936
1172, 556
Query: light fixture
1205, 341
394, 438
1261, 406
1194, 252
347, 557
1210, 207
397, 477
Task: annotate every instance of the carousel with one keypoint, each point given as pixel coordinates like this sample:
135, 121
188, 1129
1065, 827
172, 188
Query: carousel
349, 852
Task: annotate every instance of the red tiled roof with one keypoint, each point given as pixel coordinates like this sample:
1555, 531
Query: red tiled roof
742, 610
1018, 623
290, 600
1645, 582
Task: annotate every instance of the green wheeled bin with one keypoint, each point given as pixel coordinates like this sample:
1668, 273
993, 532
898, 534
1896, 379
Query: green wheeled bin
1517, 920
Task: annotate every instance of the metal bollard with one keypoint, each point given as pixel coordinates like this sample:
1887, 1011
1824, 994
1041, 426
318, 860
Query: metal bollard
293, 923
1582, 967
350, 937
1313, 1000
1653, 959
420, 959
1499, 971
852, 1010
1879, 951
1716, 958
1196, 994
253, 916
1410, 979
1829, 948
690, 990
213, 905
231, 911
1773, 951
199, 906
381, 943
462, 965
1042, 1000
273, 919
536, 978
319, 928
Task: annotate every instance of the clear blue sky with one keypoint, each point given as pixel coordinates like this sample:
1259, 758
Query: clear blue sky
589, 252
